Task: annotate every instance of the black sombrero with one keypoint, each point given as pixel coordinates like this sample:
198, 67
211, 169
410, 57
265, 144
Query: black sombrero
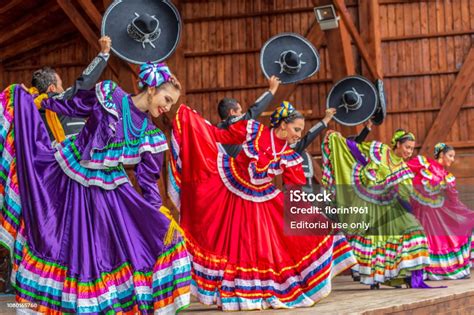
142, 30
355, 99
381, 111
290, 57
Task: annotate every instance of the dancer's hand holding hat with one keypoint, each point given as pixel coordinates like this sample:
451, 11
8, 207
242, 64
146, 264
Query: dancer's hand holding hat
273, 84
105, 44
330, 112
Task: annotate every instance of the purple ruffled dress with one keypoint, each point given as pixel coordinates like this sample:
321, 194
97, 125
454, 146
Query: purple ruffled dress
82, 239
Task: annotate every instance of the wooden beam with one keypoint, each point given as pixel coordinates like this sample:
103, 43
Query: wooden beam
35, 41
131, 72
90, 36
346, 18
27, 22
10, 5
451, 105
369, 24
212, 53
52, 65
106, 3
289, 87
41, 52
81, 24
92, 11
271, 12
430, 35
421, 73
341, 59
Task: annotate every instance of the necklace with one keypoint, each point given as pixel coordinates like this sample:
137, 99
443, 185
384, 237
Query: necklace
391, 165
273, 145
128, 126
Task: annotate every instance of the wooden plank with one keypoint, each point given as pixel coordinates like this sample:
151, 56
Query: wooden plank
96, 17
126, 75
34, 55
54, 65
27, 22
92, 11
37, 40
370, 28
106, 3
80, 23
408, 84
9, 5
340, 51
267, 10
345, 16
452, 104
433, 34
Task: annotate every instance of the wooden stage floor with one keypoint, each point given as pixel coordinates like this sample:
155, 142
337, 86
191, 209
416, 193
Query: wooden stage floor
348, 297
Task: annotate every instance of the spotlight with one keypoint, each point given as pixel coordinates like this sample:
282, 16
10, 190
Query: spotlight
326, 17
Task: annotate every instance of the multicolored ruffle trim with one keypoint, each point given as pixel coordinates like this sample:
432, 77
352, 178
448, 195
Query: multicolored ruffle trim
381, 261
162, 290
234, 287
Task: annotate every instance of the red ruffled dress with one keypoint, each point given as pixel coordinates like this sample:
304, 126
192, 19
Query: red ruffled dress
448, 223
232, 215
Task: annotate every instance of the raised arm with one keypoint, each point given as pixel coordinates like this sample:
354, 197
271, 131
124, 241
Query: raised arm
364, 132
312, 133
261, 104
91, 74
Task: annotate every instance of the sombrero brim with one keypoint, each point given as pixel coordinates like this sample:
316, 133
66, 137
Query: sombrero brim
122, 12
381, 111
369, 100
272, 49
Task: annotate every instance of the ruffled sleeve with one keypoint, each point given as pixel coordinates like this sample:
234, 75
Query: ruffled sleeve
451, 191
81, 105
109, 148
104, 92
234, 134
418, 163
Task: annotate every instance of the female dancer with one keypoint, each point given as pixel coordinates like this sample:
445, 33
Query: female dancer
232, 215
374, 177
82, 239
448, 223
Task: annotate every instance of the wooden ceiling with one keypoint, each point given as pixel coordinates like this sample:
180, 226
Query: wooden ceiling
29, 24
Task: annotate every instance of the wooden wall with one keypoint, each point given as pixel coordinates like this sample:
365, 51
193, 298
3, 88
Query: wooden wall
423, 45
69, 59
